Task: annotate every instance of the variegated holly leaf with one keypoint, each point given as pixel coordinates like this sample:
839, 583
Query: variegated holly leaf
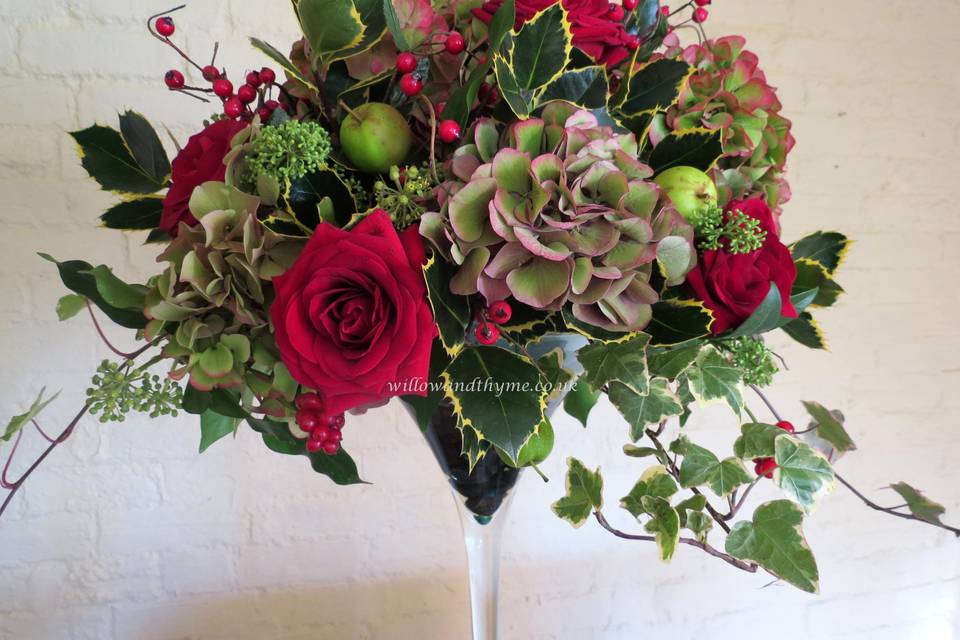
813, 275
774, 540
828, 248
650, 88
585, 87
676, 320
805, 330
802, 473
584, 494
624, 362
641, 411
714, 379
450, 311
698, 148
541, 48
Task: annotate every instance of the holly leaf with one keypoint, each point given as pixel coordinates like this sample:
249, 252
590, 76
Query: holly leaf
339, 467
330, 26
827, 248
919, 505
774, 540
585, 87
650, 88
70, 305
713, 378
623, 362
829, 427
145, 146
641, 411
541, 48
450, 311
697, 148
107, 158
805, 330
284, 62
676, 320
802, 473
756, 440
584, 494
506, 417
700, 466
18, 421
134, 215
813, 275
214, 426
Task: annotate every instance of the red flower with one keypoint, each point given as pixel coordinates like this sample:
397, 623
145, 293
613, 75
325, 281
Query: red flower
351, 315
734, 285
603, 39
198, 162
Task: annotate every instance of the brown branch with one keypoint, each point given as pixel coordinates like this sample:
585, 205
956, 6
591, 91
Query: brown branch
749, 567
892, 510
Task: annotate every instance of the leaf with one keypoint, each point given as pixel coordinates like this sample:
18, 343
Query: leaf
698, 148
195, 401
538, 447
584, 494
593, 332
214, 426
654, 483
18, 421
652, 87
634, 451
105, 156
756, 440
77, 277
765, 317
555, 377
70, 305
585, 88
919, 505
505, 416
812, 275
774, 540
134, 215
144, 143
330, 26
393, 24
676, 320
827, 248
450, 311
374, 28
641, 411
667, 522
580, 401
306, 193
277, 436
713, 378
700, 466
284, 62
541, 49
423, 407
670, 363
829, 427
806, 331
116, 292
226, 404
521, 102
624, 362
802, 473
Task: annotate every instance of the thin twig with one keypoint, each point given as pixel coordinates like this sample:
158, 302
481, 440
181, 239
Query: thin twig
891, 510
42, 432
106, 341
767, 402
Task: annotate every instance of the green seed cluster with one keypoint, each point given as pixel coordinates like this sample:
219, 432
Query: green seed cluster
289, 151
741, 232
402, 199
117, 389
754, 360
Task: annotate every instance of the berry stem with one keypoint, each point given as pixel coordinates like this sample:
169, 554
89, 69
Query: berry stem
433, 138
167, 40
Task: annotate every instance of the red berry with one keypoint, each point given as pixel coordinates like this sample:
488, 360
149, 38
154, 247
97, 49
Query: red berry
330, 447
210, 73
633, 42
309, 401
307, 420
449, 131
406, 62
786, 426
615, 12
253, 79
411, 84
455, 43
314, 445
232, 108
665, 11
702, 3
700, 15
630, 5
484, 91
487, 333
336, 436
267, 75
247, 94
338, 421
321, 433
273, 105
494, 96
500, 312
765, 467
173, 79
223, 88
165, 26
264, 114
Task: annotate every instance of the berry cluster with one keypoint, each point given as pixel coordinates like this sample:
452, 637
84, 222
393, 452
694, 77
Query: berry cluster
764, 467
699, 15
487, 332
325, 428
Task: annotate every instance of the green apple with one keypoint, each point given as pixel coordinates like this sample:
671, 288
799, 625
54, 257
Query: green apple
374, 137
690, 190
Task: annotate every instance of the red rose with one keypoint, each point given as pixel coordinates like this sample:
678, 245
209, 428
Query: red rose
198, 162
734, 285
351, 315
603, 39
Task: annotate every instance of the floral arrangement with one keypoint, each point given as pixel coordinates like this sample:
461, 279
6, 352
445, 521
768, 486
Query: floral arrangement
420, 193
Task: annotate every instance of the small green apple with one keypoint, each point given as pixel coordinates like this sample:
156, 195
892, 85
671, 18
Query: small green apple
374, 137
690, 190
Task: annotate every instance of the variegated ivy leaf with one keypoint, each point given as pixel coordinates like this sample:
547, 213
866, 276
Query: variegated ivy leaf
670, 363
756, 440
667, 522
919, 505
16, 422
700, 466
802, 473
829, 426
774, 540
640, 411
655, 482
624, 362
584, 494
713, 378
580, 400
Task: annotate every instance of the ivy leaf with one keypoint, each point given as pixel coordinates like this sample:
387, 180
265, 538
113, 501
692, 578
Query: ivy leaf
78, 277
134, 215
670, 363
700, 466
698, 148
765, 318
667, 522
802, 473
696, 521
284, 62
774, 540
634, 451
828, 248
650, 88
70, 305
505, 417
655, 482
213, 427
580, 401
919, 505
105, 156
339, 467
640, 411
145, 146
676, 320
450, 311
17, 422
756, 440
712, 378
541, 48
623, 362
829, 427
584, 494
585, 87
804, 329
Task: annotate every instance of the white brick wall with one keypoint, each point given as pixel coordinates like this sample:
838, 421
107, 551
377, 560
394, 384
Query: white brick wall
127, 534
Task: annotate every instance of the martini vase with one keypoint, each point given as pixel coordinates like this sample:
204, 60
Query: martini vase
483, 494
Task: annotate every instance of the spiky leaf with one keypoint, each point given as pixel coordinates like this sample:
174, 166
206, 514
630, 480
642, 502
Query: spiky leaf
145, 146
650, 88
675, 321
586, 87
541, 49
698, 148
805, 330
450, 311
132, 215
108, 160
828, 248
